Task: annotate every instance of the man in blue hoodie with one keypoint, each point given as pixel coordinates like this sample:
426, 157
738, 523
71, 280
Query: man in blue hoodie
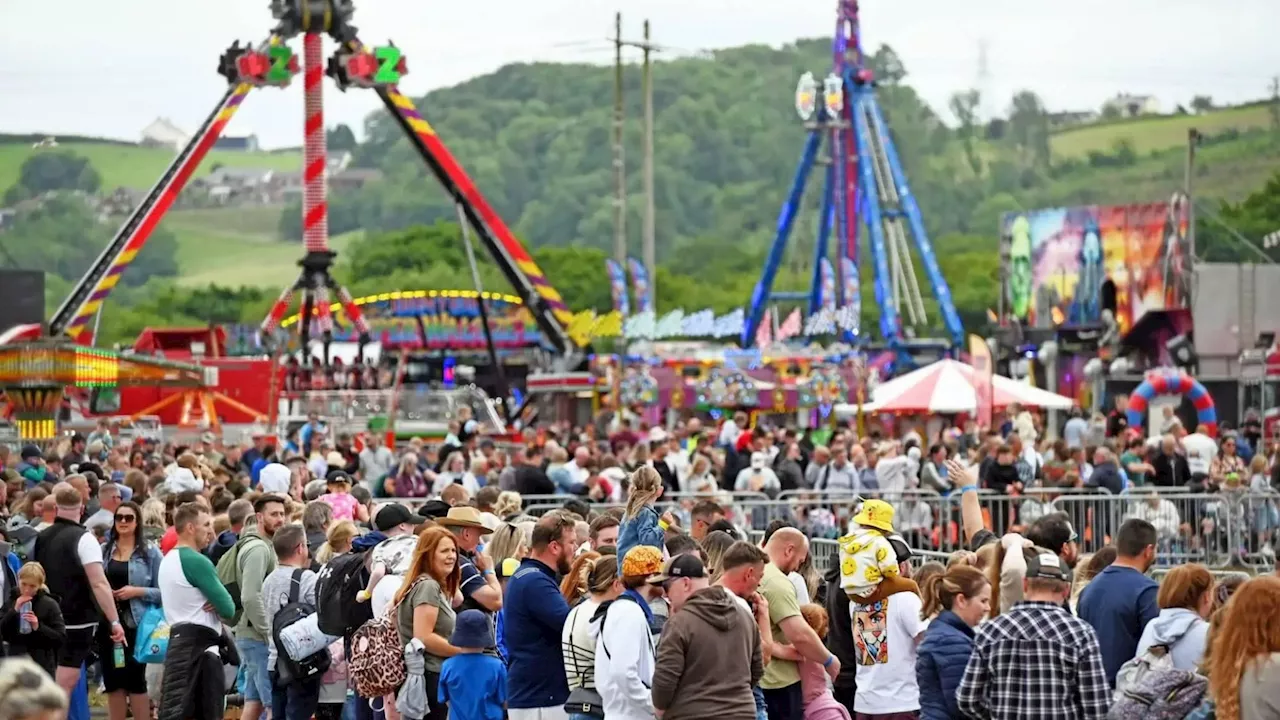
1121, 600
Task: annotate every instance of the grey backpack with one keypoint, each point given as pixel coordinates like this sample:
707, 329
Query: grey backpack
1148, 687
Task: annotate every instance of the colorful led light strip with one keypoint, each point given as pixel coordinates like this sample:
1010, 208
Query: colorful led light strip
413, 295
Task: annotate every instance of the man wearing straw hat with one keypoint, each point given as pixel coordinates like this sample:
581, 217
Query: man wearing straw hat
479, 584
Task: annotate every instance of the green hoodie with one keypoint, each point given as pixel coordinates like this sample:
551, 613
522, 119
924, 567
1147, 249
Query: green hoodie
254, 563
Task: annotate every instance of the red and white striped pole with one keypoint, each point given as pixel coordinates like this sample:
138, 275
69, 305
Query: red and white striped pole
315, 209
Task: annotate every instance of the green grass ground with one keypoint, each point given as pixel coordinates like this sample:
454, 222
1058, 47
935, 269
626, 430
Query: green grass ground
237, 247
1156, 133
135, 166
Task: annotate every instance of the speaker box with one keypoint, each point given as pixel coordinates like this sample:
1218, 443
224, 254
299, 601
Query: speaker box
21, 298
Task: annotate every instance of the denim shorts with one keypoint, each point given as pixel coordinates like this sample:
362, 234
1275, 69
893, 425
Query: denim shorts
762, 710
253, 658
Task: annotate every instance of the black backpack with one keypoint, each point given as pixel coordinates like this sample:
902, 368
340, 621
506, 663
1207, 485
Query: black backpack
338, 612
295, 610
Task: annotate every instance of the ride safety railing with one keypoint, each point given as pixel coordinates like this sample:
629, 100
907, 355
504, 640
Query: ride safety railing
1227, 530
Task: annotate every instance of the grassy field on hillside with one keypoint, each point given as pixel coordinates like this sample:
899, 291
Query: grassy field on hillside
1156, 133
1224, 171
135, 166
237, 247
261, 222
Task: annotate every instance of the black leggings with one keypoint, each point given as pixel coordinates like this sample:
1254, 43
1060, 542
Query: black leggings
436, 710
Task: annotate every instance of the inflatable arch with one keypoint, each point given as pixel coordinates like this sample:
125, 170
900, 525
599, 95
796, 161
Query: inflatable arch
1172, 383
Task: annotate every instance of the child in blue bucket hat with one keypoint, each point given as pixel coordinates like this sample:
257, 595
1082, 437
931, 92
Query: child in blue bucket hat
473, 684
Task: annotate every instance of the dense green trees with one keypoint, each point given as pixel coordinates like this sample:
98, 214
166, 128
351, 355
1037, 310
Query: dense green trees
53, 170
63, 237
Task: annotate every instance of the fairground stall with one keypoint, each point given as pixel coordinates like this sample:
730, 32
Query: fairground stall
659, 382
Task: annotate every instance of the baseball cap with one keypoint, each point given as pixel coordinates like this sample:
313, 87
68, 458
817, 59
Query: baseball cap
642, 561
434, 509
393, 514
1046, 564
338, 476
680, 566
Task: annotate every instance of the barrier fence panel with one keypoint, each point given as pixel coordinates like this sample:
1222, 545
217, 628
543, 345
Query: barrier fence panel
1231, 529
1260, 518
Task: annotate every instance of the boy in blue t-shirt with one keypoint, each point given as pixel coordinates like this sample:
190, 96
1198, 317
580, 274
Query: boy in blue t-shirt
473, 684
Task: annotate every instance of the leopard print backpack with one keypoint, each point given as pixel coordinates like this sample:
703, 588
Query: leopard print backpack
377, 655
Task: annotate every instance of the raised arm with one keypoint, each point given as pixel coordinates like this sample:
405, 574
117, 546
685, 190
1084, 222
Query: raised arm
966, 482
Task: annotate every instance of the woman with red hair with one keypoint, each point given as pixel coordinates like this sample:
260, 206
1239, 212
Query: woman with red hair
424, 607
1244, 670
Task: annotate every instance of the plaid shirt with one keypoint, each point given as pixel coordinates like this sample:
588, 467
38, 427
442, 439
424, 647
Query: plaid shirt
1035, 662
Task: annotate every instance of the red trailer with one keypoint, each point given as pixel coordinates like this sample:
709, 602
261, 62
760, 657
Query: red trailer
241, 394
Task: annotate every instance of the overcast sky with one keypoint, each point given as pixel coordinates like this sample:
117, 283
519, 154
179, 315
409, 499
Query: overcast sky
104, 68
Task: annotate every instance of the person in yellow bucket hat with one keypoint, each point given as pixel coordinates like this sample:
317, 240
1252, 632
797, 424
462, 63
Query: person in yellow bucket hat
876, 514
866, 556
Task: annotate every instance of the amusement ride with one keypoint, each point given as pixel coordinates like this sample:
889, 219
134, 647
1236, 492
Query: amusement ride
864, 188
273, 63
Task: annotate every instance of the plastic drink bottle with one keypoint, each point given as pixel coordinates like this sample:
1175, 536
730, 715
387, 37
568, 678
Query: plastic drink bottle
118, 655
24, 626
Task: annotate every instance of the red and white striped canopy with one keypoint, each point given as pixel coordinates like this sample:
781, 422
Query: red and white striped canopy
947, 387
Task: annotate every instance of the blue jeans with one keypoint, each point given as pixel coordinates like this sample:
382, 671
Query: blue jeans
295, 701
253, 660
762, 710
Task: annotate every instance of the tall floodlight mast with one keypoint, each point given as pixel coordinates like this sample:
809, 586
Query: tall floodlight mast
865, 188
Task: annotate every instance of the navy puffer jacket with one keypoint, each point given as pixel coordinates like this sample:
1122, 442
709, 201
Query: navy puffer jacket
940, 662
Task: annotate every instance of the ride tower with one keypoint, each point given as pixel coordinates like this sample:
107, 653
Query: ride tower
865, 193
274, 64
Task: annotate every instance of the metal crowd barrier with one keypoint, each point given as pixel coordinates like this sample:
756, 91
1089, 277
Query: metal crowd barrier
1226, 530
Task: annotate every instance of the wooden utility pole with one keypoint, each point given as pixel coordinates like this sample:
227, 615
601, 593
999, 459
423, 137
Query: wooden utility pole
619, 166
619, 159
650, 260
1275, 103
1193, 140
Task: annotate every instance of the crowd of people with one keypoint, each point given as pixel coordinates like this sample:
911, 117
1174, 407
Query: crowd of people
609, 572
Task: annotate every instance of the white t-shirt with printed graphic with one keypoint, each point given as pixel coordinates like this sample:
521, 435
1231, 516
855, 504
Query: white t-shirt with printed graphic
885, 638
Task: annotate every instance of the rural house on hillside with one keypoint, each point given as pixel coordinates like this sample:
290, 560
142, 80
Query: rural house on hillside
1126, 105
241, 143
163, 133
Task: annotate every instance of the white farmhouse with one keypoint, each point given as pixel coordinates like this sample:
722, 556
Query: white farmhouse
163, 133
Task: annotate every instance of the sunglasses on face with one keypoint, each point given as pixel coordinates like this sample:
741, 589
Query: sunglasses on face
126, 518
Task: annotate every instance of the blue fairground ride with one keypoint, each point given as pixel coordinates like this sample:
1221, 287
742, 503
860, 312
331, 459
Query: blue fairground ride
864, 182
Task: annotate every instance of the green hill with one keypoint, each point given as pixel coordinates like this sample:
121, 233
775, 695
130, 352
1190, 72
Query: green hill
135, 166
535, 138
